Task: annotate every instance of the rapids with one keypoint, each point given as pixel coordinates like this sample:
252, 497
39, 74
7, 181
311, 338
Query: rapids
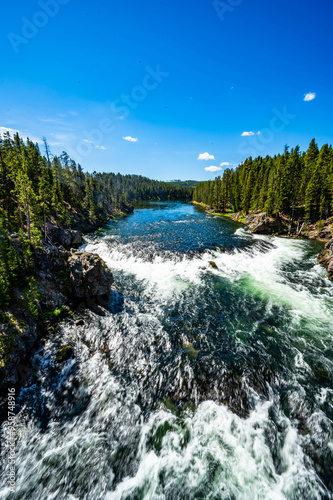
199, 382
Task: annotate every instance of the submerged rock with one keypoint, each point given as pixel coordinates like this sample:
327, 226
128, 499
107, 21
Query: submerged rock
89, 275
189, 349
64, 353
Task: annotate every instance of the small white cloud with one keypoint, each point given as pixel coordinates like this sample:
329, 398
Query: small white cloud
309, 96
24, 135
248, 134
7, 129
100, 147
119, 117
205, 156
224, 164
130, 139
87, 140
212, 169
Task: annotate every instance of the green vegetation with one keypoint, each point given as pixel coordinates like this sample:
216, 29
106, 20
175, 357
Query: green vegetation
294, 183
135, 188
184, 183
36, 188
58, 312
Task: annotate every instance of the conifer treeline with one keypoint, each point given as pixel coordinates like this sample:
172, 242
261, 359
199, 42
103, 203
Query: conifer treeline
34, 187
290, 183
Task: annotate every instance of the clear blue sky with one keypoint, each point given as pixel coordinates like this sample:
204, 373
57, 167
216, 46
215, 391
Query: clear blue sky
185, 78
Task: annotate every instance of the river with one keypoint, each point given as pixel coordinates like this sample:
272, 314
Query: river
210, 377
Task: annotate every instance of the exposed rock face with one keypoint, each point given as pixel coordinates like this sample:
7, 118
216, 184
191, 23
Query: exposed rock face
51, 296
65, 237
326, 258
261, 223
89, 275
14, 370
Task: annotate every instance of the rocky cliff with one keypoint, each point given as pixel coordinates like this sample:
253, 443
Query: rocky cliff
326, 258
89, 275
263, 224
64, 276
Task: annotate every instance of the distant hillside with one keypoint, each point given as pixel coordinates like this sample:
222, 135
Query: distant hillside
184, 183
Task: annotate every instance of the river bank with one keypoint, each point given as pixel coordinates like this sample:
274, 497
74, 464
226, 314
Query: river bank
261, 223
65, 280
203, 379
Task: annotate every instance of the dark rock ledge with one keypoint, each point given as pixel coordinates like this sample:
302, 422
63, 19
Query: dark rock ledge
326, 258
65, 276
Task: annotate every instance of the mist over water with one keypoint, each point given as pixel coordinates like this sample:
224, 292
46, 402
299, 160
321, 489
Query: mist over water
201, 381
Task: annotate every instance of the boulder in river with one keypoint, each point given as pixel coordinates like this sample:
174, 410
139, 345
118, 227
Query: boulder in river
89, 275
64, 353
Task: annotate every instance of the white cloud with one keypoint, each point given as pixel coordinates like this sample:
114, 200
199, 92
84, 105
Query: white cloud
87, 140
23, 135
212, 169
247, 134
100, 147
7, 129
224, 164
309, 96
130, 139
205, 156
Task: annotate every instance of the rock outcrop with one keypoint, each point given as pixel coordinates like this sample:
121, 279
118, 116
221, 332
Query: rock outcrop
326, 258
14, 370
261, 223
89, 275
67, 238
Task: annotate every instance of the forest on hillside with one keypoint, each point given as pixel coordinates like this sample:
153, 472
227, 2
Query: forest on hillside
36, 188
297, 184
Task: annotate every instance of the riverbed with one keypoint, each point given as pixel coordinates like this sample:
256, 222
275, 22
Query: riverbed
210, 376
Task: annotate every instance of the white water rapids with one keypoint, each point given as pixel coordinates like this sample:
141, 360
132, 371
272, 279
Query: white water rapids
204, 383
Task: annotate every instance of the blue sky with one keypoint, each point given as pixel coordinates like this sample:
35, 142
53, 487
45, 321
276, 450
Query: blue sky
147, 87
